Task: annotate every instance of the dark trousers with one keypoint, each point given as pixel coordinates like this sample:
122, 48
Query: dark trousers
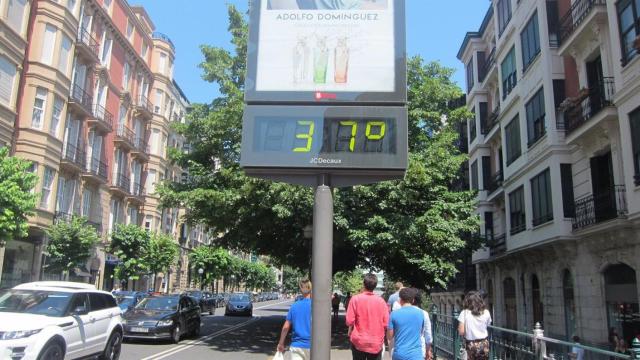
361, 355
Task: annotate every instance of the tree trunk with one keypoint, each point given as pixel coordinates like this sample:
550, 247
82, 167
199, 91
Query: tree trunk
155, 277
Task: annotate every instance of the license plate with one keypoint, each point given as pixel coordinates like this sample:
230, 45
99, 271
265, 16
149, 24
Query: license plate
139, 329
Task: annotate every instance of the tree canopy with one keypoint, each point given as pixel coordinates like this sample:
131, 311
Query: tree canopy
130, 243
17, 201
413, 229
70, 244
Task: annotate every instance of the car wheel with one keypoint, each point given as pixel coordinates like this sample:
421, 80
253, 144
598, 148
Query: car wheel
52, 351
175, 335
212, 310
113, 348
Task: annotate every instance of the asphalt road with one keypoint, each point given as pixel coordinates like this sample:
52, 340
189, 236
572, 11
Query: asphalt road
221, 337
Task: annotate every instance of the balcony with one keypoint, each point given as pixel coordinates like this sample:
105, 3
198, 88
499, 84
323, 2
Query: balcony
125, 137
578, 14
87, 45
140, 148
594, 209
80, 100
508, 84
495, 182
491, 122
160, 36
497, 244
101, 118
488, 67
136, 192
122, 184
62, 217
144, 107
96, 170
587, 105
73, 158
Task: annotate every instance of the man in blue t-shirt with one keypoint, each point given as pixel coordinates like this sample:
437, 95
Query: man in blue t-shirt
405, 328
299, 319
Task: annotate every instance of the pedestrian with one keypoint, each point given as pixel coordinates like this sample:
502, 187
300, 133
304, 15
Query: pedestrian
614, 339
405, 328
299, 321
425, 338
395, 296
335, 305
367, 318
577, 352
346, 301
472, 326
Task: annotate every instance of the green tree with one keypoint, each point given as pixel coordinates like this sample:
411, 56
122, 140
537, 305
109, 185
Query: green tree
161, 253
213, 261
70, 244
130, 244
412, 228
348, 281
290, 278
17, 202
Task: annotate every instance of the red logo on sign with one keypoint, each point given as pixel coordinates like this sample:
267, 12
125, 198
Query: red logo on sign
325, 96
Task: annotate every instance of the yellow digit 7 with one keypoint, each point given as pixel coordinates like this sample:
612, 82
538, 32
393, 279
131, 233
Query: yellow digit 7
308, 135
371, 124
354, 129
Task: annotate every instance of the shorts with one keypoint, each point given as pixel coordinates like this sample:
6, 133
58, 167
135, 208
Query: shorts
300, 353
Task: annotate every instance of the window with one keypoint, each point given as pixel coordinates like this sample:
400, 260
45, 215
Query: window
7, 80
530, 40
156, 107
105, 55
151, 181
133, 215
65, 50
470, 75
474, 175
129, 29
566, 179
472, 126
634, 122
629, 26
145, 49
39, 106
126, 75
541, 198
559, 94
15, 14
535, 117
47, 181
71, 5
516, 211
48, 44
162, 64
58, 104
512, 139
107, 5
509, 76
114, 214
87, 195
504, 14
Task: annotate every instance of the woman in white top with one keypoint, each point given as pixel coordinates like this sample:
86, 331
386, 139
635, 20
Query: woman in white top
472, 325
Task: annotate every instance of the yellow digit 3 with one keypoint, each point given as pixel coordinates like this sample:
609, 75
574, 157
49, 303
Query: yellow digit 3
308, 136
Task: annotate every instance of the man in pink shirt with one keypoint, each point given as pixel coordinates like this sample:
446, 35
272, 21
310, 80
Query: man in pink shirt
367, 319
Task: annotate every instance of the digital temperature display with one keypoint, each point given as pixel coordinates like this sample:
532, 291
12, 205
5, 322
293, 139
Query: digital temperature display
333, 140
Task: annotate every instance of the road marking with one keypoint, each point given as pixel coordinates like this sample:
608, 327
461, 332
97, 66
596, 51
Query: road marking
192, 343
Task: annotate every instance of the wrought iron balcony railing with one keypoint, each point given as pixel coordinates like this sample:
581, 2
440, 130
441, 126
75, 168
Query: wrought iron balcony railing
495, 182
508, 84
125, 134
137, 189
122, 182
143, 102
97, 168
489, 62
85, 38
596, 208
141, 144
576, 15
103, 116
491, 122
81, 97
163, 37
74, 155
591, 102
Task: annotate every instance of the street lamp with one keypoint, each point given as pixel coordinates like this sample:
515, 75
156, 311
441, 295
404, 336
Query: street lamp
201, 271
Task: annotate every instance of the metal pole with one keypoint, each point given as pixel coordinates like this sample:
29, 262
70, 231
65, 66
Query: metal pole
321, 273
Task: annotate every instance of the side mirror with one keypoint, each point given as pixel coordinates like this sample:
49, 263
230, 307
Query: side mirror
80, 310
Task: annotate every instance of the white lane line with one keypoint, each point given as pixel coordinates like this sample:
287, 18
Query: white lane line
192, 343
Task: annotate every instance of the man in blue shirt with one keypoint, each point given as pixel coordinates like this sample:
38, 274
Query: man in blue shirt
405, 328
299, 319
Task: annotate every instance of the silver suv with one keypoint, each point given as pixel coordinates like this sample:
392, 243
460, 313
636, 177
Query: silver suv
59, 320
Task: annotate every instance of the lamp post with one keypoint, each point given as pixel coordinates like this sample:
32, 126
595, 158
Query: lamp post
201, 271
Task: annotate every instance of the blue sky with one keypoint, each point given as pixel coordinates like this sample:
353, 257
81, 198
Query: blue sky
435, 30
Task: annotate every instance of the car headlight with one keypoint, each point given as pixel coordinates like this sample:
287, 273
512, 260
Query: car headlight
11, 335
165, 322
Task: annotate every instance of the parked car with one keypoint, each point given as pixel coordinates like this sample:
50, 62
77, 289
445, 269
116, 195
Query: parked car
239, 304
204, 299
127, 300
163, 317
59, 320
219, 300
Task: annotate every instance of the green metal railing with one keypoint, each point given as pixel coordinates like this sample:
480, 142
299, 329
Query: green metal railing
506, 344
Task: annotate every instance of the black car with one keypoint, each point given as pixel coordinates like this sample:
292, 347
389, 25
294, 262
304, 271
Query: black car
204, 299
163, 317
239, 304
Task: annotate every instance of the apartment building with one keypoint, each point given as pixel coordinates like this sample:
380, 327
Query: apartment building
84, 118
554, 150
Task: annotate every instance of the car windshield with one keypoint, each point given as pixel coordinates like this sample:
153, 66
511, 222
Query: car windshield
49, 303
239, 298
124, 301
158, 303
193, 293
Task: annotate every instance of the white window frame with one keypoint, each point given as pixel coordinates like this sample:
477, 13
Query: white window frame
15, 15
8, 72
56, 115
37, 118
105, 49
162, 63
87, 197
49, 44
130, 29
64, 55
126, 76
47, 181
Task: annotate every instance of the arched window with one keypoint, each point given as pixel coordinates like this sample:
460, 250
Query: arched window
569, 304
536, 300
621, 296
510, 304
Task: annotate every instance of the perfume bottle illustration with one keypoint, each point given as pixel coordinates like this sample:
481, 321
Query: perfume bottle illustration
341, 61
301, 60
320, 61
